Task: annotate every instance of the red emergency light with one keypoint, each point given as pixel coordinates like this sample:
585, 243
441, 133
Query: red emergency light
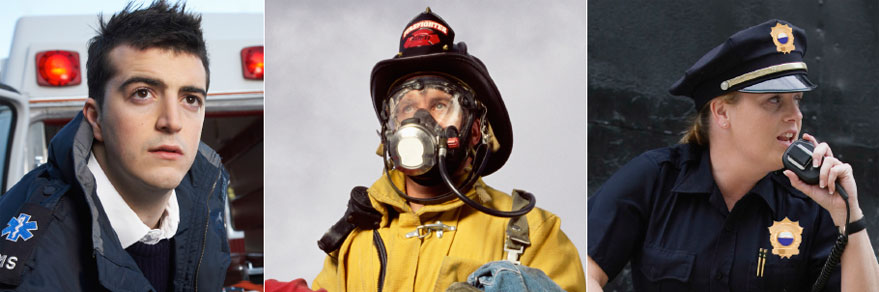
252, 62
58, 68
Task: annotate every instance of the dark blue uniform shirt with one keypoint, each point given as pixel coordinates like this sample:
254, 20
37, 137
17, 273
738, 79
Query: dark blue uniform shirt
663, 212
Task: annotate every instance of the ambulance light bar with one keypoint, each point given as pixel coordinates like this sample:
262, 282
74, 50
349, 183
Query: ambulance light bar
58, 68
252, 62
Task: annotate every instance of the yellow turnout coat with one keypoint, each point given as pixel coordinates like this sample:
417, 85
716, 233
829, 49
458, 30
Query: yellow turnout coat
433, 263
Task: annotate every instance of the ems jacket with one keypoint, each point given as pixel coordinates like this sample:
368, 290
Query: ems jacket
434, 263
61, 240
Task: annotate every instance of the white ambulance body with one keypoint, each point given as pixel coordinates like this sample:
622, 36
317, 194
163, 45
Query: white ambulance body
44, 86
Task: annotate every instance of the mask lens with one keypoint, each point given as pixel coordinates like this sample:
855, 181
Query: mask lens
433, 94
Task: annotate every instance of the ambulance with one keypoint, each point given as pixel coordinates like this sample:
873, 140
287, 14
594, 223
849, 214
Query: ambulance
43, 86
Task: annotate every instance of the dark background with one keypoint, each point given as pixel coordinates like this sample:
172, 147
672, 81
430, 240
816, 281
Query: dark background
637, 49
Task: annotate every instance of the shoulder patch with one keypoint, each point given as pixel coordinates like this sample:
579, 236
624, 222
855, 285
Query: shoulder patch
20, 228
24, 228
20, 237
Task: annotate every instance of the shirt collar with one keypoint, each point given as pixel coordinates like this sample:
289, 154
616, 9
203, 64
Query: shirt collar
699, 179
128, 227
696, 166
765, 188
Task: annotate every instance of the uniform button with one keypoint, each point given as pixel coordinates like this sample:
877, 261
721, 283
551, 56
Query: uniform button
719, 276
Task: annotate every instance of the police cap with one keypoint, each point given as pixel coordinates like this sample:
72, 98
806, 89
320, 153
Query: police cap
764, 58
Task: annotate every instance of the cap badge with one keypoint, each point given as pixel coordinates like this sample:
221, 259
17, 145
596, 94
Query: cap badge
783, 37
785, 237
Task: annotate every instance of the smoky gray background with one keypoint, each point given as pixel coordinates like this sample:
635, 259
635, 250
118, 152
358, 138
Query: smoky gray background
321, 129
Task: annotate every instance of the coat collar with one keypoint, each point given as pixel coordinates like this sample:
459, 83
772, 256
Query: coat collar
382, 194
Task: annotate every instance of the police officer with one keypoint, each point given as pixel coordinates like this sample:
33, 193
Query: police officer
714, 213
430, 221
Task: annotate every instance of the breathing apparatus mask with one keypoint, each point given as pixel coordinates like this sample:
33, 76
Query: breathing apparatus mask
427, 133
423, 113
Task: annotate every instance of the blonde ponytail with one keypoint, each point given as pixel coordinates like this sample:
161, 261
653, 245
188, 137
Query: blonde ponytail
697, 132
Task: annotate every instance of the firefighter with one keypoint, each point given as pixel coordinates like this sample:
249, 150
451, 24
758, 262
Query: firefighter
430, 222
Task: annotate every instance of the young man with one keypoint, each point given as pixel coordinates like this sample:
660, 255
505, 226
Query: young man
430, 222
130, 199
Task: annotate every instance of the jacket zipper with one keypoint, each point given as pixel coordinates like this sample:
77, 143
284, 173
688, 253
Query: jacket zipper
207, 221
382, 257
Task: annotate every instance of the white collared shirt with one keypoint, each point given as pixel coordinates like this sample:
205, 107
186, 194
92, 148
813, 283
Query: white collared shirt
124, 220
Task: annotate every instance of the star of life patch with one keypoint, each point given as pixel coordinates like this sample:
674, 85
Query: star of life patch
21, 235
20, 227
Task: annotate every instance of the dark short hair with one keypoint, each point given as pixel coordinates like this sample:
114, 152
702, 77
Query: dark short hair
161, 25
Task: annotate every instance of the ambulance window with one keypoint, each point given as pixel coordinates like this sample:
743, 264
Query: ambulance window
7, 120
35, 151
